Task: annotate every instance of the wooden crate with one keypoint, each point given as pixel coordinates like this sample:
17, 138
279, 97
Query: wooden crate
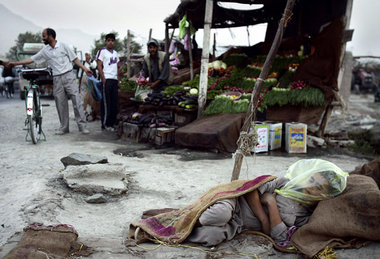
164, 136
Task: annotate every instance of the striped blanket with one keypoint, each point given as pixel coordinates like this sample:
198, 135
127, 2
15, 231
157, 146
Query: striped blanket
175, 226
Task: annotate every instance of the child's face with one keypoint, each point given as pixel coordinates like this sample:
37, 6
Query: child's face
316, 185
110, 43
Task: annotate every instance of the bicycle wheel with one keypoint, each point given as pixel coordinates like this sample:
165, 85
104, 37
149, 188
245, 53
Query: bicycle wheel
34, 119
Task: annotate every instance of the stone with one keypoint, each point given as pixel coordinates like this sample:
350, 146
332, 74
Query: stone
83, 159
96, 198
110, 179
313, 141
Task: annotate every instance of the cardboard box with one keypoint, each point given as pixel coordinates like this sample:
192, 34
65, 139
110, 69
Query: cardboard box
262, 130
295, 137
275, 135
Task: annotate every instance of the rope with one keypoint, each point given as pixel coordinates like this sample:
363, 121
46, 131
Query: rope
286, 18
160, 243
327, 253
246, 142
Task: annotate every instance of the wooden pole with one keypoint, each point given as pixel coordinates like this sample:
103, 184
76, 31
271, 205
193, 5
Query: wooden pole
150, 34
129, 54
167, 42
205, 58
259, 83
189, 44
214, 48
249, 43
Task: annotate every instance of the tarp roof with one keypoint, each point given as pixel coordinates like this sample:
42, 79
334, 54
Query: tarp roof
308, 15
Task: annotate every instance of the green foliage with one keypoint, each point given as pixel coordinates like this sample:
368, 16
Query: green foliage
195, 82
306, 97
120, 45
285, 79
27, 37
238, 60
172, 89
127, 85
223, 104
280, 62
211, 94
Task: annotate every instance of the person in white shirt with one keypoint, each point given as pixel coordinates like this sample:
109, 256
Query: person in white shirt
59, 57
107, 59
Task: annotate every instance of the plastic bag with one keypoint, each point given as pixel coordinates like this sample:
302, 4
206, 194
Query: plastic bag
313, 180
94, 87
142, 89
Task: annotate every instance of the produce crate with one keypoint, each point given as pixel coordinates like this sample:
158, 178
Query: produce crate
164, 136
184, 116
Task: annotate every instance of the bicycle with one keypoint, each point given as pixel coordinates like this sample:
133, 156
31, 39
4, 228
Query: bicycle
33, 121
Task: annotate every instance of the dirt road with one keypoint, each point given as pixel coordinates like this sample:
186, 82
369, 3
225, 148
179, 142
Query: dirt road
32, 190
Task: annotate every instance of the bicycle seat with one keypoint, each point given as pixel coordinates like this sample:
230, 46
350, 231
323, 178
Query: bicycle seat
37, 75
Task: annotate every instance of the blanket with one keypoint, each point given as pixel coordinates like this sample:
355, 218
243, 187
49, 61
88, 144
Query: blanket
346, 221
175, 226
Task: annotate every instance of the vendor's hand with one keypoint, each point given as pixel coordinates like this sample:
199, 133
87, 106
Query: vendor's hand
88, 72
267, 198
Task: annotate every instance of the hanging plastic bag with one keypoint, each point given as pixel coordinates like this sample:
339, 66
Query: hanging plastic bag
94, 88
142, 89
312, 180
183, 24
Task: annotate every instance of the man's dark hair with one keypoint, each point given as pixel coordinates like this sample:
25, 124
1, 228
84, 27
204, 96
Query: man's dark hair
111, 36
50, 31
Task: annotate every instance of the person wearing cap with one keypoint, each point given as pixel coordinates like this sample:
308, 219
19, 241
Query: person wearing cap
156, 66
108, 59
59, 57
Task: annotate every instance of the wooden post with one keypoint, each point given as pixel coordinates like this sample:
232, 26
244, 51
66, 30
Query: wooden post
129, 54
203, 78
249, 43
214, 48
150, 34
189, 44
259, 83
167, 42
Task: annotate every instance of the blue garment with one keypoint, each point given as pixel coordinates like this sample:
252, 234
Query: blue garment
94, 87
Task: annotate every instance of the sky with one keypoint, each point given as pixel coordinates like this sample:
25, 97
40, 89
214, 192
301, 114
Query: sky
97, 16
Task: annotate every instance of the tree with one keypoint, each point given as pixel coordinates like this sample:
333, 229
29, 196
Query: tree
120, 46
27, 37
135, 47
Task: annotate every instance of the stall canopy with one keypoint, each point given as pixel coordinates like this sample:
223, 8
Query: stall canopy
309, 15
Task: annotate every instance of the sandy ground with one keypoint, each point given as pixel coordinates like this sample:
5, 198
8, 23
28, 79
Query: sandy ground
32, 190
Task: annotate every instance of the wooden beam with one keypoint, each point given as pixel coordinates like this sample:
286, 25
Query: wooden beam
167, 42
251, 113
203, 78
189, 46
129, 54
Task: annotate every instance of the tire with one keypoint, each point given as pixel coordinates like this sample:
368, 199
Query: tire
34, 121
33, 128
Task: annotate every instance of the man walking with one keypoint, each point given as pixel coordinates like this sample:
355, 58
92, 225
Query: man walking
108, 60
60, 57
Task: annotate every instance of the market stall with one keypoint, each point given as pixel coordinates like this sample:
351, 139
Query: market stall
302, 81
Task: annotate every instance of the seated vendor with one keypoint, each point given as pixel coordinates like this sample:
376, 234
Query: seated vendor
277, 208
156, 66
